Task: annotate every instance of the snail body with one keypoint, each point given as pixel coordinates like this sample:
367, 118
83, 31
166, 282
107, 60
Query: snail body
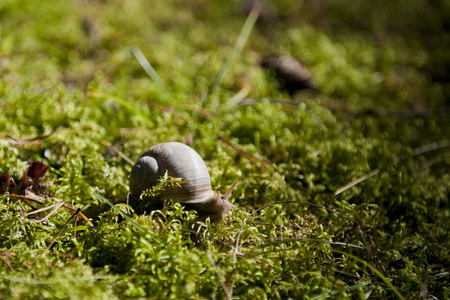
180, 161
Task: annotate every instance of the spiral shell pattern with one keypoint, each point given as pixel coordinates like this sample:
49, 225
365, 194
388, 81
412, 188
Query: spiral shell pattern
180, 161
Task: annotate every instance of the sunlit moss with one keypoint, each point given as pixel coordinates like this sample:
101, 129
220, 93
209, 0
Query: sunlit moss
70, 78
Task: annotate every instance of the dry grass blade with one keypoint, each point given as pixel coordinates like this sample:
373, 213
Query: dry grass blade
416, 151
25, 199
27, 203
243, 36
117, 151
52, 212
353, 183
18, 142
148, 68
42, 209
238, 236
431, 147
156, 105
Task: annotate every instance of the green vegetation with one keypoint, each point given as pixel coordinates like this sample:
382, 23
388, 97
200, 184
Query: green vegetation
343, 193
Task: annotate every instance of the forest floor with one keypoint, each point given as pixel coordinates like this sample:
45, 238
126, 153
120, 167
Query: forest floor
334, 118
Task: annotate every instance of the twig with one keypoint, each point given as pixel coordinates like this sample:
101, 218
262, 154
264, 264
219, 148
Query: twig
226, 289
251, 157
18, 197
350, 275
360, 179
6, 253
16, 142
425, 280
283, 241
429, 163
431, 147
42, 209
23, 208
27, 203
41, 137
14, 196
64, 227
124, 287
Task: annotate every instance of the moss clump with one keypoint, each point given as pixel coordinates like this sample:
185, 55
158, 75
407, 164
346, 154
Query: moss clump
343, 190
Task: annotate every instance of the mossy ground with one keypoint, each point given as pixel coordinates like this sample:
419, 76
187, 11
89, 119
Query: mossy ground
69, 75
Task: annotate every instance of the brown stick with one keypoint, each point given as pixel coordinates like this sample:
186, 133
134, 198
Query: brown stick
18, 197
81, 215
251, 157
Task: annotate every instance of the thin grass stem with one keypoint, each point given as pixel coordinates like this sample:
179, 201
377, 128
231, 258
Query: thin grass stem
148, 67
242, 39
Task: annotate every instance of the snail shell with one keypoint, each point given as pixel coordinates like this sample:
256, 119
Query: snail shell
180, 161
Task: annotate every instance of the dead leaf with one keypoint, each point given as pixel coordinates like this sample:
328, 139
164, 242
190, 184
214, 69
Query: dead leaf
31, 181
37, 169
5, 182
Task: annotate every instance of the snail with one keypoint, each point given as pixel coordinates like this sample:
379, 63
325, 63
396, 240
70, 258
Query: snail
181, 161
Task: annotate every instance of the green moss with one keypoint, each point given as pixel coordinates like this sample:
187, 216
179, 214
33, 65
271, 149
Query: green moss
70, 78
